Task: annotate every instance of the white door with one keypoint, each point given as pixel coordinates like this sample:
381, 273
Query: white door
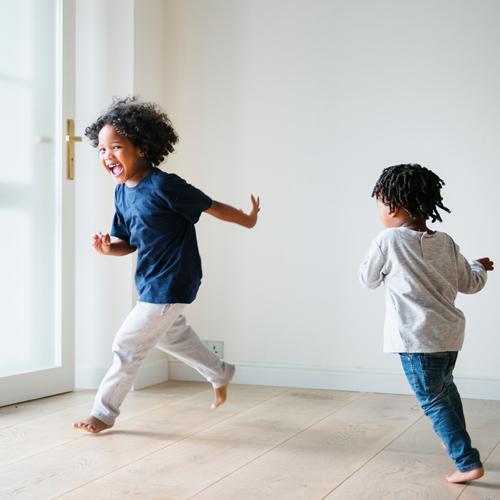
36, 199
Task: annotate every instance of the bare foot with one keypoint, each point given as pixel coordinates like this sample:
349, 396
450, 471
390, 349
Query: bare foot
221, 392
220, 396
91, 424
463, 477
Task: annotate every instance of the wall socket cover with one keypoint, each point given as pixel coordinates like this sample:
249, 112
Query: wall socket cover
216, 346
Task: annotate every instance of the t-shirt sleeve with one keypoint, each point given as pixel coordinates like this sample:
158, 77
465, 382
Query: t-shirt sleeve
183, 198
118, 228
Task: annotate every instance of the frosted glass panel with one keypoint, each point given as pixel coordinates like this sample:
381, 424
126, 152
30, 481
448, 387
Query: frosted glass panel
17, 37
27, 186
17, 120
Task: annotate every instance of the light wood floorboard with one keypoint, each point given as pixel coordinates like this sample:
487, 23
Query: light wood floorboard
265, 443
315, 461
218, 451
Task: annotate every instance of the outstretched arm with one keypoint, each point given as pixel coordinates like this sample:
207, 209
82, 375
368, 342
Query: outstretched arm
230, 214
102, 244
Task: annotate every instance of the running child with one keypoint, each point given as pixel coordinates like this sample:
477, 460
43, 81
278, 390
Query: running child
155, 214
422, 271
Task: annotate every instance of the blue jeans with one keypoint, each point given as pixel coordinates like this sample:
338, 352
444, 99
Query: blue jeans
431, 377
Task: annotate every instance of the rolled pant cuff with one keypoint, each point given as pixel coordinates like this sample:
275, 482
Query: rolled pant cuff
229, 374
468, 468
108, 420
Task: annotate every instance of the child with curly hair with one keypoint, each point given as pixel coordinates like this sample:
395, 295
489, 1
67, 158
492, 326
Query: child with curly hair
155, 214
422, 271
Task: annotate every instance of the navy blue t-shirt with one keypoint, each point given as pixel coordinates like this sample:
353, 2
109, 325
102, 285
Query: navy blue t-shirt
157, 216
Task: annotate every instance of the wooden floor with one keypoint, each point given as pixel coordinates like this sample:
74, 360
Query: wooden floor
272, 443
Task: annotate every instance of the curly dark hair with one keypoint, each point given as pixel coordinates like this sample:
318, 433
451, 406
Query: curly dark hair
143, 123
412, 187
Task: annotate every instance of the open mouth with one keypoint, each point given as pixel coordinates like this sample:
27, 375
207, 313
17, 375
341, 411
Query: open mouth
115, 168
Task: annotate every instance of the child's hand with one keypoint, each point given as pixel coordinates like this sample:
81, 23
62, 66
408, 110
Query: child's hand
101, 243
487, 263
252, 215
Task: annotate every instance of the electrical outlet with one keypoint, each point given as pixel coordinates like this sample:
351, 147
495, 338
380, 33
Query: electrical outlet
216, 346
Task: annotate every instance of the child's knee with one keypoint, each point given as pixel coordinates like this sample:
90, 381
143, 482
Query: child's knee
128, 354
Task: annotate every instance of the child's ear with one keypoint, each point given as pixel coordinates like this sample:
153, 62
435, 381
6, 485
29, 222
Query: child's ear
395, 212
141, 153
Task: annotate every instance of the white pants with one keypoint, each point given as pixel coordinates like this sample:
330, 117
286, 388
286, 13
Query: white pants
147, 326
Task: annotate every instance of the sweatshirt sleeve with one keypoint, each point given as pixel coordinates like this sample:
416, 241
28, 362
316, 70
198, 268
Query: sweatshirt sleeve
471, 276
371, 271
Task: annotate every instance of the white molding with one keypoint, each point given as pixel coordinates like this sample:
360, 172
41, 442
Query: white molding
150, 373
337, 379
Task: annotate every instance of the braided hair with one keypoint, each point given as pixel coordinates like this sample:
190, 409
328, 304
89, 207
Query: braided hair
143, 123
412, 187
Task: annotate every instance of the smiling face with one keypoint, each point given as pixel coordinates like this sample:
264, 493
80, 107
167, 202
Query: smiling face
120, 157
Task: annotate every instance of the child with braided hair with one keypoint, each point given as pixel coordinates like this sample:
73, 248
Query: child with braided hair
422, 271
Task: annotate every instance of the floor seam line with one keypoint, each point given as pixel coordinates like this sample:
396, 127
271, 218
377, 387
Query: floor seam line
84, 434
166, 446
373, 456
274, 447
484, 463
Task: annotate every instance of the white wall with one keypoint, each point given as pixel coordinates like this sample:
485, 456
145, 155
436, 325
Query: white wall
118, 54
104, 67
304, 102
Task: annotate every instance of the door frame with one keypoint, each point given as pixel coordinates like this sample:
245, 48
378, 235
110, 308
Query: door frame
46, 382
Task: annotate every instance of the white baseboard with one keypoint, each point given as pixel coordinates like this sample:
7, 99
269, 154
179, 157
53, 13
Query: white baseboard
326, 378
150, 373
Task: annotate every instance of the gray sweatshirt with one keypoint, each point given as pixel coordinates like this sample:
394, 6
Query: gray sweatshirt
422, 274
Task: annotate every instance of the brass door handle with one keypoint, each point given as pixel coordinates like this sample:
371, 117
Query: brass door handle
70, 148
